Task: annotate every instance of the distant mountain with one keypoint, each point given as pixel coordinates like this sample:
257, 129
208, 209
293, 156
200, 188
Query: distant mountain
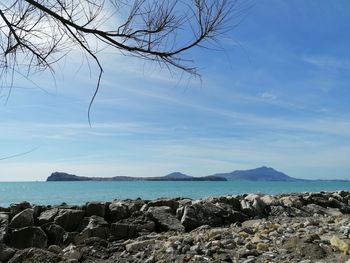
58, 176
258, 174
177, 175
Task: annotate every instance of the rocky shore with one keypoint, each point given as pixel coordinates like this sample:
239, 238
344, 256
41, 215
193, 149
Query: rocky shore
303, 227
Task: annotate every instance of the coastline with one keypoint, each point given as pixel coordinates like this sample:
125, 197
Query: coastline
241, 228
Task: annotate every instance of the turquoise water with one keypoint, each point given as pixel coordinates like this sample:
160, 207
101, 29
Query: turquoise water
81, 192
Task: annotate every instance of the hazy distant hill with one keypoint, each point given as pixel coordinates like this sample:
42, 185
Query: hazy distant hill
177, 175
58, 176
258, 174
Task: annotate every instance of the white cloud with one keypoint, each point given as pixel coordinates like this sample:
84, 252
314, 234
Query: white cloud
328, 62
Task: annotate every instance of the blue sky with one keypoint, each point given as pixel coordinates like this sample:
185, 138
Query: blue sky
278, 96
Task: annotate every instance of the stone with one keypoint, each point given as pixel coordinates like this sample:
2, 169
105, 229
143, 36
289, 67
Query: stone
69, 219
71, 252
34, 255
6, 253
47, 216
97, 227
95, 208
93, 241
17, 208
54, 233
262, 247
252, 223
172, 203
315, 209
199, 214
138, 245
342, 244
4, 222
334, 203
23, 219
28, 237
334, 212
123, 230
299, 247
70, 237
248, 209
55, 249
37, 209
117, 211
165, 220
291, 200
270, 200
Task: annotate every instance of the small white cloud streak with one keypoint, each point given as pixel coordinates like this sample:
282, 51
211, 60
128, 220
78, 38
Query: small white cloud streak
328, 62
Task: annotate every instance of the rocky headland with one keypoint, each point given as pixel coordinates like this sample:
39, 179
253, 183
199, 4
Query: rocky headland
303, 227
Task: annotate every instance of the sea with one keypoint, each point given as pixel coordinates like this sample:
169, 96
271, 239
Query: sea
51, 193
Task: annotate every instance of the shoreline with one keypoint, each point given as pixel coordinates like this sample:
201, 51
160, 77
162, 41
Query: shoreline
309, 226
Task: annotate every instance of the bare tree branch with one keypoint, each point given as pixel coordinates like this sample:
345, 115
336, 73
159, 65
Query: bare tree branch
35, 34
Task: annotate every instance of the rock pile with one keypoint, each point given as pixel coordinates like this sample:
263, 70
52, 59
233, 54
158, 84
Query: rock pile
304, 227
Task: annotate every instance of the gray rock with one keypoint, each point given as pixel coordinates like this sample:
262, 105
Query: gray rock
117, 211
69, 219
54, 233
172, 203
315, 209
291, 200
97, 227
270, 200
55, 249
95, 208
232, 201
23, 219
4, 222
17, 208
248, 209
200, 214
298, 246
70, 237
71, 252
165, 220
6, 253
37, 209
34, 255
28, 237
138, 245
47, 216
123, 230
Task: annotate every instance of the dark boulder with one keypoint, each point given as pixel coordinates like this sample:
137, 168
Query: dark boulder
28, 237
69, 219
172, 203
231, 201
17, 208
47, 216
4, 222
202, 213
95, 208
118, 211
6, 253
23, 219
123, 230
54, 233
97, 227
165, 220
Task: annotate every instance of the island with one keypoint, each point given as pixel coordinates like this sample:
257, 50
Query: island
258, 174
59, 176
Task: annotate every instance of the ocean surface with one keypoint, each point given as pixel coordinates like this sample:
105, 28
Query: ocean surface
81, 192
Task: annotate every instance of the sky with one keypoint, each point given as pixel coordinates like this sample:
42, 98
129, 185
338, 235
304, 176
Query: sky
277, 95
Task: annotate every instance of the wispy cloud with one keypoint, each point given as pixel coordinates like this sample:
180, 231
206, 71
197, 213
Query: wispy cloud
328, 62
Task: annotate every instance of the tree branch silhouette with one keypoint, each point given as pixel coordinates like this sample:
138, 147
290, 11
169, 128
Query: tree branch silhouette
36, 34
